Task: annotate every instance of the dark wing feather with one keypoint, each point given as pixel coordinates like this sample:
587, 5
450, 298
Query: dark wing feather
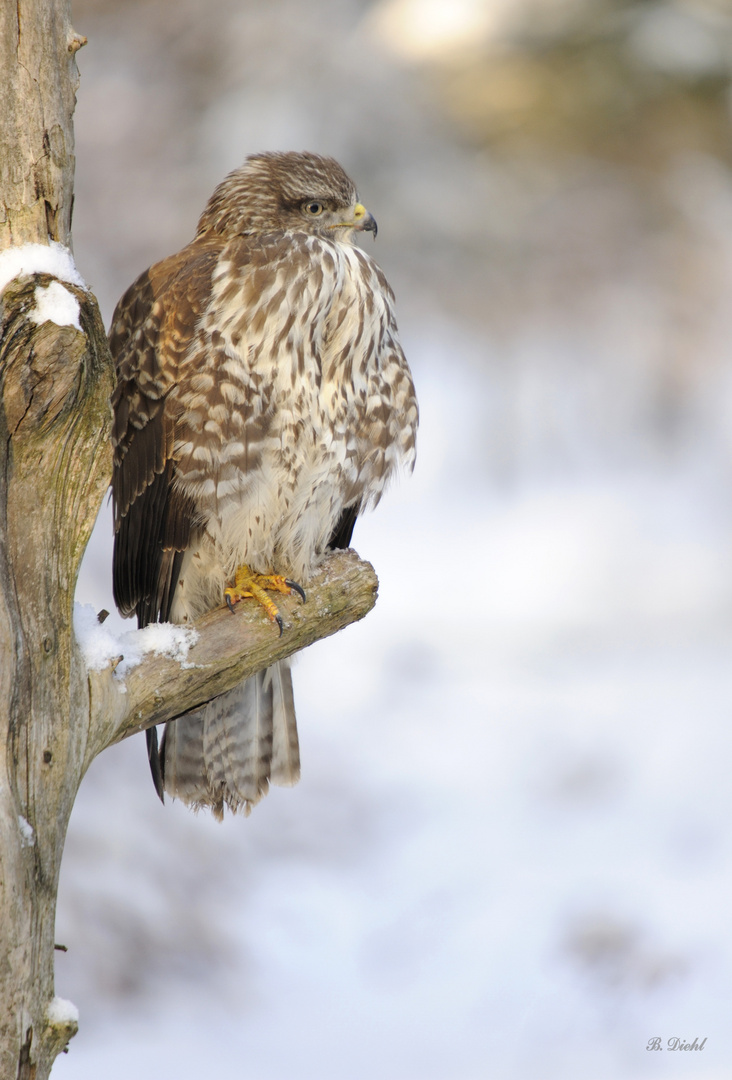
343, 531
152, 329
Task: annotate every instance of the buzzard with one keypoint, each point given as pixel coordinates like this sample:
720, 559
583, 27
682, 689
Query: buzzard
262, 403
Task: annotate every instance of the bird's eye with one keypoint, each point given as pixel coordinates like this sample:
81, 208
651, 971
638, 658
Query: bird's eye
314, 208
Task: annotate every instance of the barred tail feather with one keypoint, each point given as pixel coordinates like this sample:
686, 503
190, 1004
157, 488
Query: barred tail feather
181, 758
228, 751
285, 744
237, 743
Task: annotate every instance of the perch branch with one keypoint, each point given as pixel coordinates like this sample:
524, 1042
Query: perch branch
229, 649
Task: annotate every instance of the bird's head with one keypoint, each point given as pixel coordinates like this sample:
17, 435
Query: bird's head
287, 192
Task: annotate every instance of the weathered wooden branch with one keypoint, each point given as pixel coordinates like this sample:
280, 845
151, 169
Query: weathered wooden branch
55, 463
230, 648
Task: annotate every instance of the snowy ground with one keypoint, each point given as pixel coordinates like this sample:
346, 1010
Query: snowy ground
510, 854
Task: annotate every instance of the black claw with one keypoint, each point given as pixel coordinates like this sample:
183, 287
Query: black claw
298, 589
229, 604
278, 620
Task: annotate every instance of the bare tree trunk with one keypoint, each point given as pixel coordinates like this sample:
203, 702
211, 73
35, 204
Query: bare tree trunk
54, 468
38, 83
55, 463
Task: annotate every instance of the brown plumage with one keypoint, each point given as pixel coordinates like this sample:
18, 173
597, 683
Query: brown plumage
262, 401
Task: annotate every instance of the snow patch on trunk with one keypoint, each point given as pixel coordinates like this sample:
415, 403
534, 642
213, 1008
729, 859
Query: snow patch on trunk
27, 832
62, 1013
28, 259
56, 304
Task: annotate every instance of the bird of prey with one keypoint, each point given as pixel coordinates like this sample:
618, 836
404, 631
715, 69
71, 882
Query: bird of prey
262, 402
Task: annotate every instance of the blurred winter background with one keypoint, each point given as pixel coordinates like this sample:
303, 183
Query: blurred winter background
510, 854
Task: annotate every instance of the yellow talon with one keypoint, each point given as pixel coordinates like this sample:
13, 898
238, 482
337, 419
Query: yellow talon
248, 584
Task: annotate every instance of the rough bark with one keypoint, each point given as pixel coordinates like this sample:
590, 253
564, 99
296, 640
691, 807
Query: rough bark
55, 463
53, 460
54, 468
38, 80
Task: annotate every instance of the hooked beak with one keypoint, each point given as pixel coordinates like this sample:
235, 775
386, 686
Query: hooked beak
363, 220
